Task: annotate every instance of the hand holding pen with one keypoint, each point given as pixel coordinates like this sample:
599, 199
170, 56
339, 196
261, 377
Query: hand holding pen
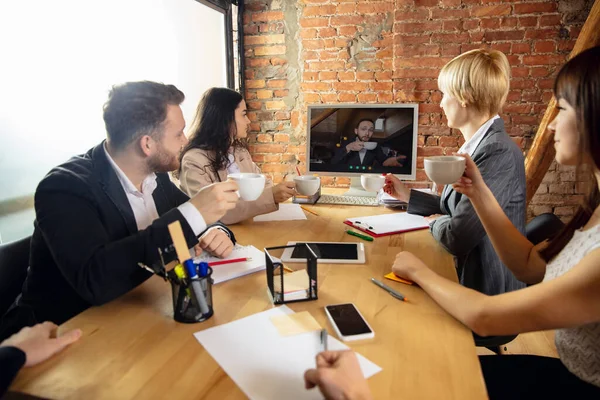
338, 376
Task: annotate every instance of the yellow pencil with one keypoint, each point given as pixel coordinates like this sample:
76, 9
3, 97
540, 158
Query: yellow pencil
310, 211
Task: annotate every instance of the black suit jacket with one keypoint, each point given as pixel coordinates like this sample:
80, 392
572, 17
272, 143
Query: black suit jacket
86, 247
11, 361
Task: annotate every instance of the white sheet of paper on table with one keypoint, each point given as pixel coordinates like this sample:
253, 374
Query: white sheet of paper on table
264, 364
386, 223
225, 272
286, 212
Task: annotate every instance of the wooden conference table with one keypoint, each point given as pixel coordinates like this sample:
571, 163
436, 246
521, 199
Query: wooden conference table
132, 347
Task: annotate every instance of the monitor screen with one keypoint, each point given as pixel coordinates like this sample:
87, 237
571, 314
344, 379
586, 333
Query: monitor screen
350, 140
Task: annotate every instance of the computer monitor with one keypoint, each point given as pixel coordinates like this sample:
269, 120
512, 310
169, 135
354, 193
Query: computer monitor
351, 140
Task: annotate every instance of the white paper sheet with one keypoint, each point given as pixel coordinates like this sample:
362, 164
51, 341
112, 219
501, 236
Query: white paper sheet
387, 223
286, 212
264, 364
225, 272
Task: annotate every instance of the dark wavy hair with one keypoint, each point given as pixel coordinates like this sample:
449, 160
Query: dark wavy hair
213, 126
135, 109
578, 83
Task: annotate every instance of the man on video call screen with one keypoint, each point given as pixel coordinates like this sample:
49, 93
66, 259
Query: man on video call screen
356, 153
362, 139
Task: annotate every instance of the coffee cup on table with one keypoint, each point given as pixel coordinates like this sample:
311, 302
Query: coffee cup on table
250, 185
444, 170
372, 182
307, 185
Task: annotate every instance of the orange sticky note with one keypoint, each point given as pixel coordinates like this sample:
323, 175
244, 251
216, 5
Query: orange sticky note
396, 278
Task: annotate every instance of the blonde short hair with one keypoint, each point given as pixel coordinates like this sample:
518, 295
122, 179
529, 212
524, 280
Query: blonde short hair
479, 78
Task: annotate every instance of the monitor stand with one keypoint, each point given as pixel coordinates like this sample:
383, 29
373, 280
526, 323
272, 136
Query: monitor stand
357, 190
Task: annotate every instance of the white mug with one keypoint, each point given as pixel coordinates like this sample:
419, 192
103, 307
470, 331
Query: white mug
250, 185
307, 185
372, 182
444, 170
370, 145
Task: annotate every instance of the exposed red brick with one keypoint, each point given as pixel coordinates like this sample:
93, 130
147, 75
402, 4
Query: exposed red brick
267, 16
347, 97
543, 60
503, 35
493, 11
530, 8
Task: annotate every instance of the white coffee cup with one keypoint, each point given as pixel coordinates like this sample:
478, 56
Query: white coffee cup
372, 182
444, 170
307, 185
250, 185
370, 145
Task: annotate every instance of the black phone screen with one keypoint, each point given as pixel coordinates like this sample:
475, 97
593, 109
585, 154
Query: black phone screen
328, 251
348, 320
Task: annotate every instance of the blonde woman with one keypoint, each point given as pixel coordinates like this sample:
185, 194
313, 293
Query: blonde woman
566, 273
216, 149
474, 86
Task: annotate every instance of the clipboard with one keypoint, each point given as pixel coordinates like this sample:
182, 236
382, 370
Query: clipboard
388, 224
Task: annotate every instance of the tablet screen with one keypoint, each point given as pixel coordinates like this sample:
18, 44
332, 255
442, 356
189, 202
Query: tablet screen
329, 251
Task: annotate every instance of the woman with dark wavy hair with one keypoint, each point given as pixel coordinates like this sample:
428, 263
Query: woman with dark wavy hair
216, 148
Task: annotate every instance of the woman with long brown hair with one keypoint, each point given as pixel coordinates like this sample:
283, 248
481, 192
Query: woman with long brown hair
217, 147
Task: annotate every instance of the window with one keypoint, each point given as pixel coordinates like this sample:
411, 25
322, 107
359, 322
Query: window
60, 59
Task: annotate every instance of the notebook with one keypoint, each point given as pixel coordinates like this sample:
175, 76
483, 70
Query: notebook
388, 224
225, 272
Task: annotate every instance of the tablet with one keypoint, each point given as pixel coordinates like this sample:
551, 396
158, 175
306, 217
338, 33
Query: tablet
328, 252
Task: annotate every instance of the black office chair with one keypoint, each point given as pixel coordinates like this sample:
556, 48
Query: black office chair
543, 227
493, 343
14, 261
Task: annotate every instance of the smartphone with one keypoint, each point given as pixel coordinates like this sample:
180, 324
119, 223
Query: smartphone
348, 323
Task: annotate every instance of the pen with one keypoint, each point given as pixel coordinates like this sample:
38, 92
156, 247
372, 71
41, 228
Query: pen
285, 268
203, 268
180, 274
233, 260
324, 338
183, 254
196, 287
159, 271
310, 211
391, 291
358, 235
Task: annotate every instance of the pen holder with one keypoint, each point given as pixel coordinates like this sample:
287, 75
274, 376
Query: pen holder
302, 288
185, 305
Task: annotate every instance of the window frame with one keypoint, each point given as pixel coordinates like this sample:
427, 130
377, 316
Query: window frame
225, 7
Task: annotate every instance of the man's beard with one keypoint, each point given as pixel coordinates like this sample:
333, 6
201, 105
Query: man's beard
163, 161
364, 138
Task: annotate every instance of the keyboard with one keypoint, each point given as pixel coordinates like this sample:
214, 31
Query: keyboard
348, 200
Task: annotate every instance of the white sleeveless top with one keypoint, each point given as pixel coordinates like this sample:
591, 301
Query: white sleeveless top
578, 348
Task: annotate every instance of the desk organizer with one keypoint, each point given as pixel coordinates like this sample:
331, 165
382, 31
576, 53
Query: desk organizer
185, 307
275, 274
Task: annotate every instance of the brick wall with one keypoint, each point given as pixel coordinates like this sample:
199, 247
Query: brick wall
321, 51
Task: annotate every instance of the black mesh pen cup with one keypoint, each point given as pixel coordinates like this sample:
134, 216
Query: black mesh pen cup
187, 308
